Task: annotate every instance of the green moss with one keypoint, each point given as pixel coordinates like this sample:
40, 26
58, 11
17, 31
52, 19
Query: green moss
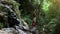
1, 8
1, 25
15, 5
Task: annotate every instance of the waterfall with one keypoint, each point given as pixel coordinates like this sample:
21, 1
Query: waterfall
22, 24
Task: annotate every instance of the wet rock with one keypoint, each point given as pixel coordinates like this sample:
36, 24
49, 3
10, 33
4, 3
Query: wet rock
8, 30
3, 32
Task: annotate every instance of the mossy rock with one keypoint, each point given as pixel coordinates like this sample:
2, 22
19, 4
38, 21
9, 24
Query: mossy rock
4, 11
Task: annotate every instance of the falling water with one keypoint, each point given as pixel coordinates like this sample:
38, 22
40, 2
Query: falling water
18, 28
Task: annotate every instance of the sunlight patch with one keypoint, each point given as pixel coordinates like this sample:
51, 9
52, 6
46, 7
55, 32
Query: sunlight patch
46, 5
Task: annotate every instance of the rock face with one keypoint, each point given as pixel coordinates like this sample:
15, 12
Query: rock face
13, 31
8, 8
8, 30
3, 32
22, 28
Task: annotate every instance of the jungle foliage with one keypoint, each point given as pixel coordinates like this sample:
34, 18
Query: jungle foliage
48, 13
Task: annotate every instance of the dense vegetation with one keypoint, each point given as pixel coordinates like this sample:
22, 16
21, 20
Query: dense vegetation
47, 14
